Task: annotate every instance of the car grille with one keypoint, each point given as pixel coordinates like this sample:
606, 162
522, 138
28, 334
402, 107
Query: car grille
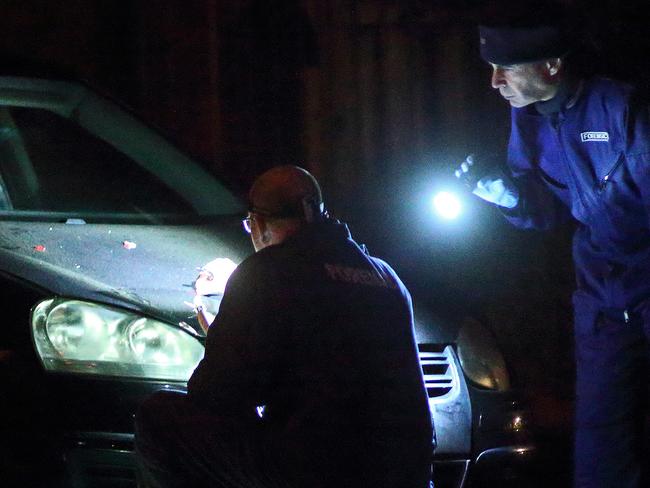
440, 372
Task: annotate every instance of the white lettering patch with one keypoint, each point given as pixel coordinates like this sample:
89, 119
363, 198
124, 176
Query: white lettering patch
337, 272
594, 136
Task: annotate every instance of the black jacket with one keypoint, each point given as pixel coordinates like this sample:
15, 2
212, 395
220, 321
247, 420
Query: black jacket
321, 334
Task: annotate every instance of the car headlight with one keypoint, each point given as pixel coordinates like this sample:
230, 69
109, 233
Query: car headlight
480, 357
74, 336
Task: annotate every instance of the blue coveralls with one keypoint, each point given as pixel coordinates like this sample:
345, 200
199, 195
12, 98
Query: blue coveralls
591, 157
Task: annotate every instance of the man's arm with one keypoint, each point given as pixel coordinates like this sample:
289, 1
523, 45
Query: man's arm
537, 207
637, 126
204, 317
517, 191
241, 348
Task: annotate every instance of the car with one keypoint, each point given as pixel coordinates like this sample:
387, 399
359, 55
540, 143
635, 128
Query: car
103, 226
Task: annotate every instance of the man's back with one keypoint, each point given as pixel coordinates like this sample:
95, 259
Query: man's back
327, 346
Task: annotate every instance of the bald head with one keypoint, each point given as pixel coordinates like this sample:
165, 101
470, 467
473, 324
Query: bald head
282, 200
282, 190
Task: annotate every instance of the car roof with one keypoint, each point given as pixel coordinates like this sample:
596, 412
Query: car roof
113, 123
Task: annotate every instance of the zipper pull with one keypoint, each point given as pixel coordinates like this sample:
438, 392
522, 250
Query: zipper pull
603, 182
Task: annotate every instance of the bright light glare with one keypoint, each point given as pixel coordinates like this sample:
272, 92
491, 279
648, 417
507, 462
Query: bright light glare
447, 205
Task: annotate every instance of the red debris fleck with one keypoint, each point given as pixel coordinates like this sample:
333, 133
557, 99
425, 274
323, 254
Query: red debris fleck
129, 245
39, 248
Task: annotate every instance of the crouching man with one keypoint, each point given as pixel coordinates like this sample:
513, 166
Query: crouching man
319, 333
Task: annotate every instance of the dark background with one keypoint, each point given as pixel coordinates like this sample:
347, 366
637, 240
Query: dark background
379, 99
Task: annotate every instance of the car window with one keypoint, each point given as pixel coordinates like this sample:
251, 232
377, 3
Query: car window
4, 198
49, 163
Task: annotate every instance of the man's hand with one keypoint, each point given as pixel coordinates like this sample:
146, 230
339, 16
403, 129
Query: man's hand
494, 187
205, 283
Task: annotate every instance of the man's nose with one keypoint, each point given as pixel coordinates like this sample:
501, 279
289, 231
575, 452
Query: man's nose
498, 80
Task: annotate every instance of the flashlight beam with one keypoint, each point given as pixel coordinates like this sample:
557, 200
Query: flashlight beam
447, 205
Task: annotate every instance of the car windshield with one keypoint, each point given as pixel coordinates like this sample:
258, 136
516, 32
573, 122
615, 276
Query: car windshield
51, 165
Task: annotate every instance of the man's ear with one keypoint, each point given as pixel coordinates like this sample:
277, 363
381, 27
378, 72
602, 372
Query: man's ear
553, 66
263, 229
260, 221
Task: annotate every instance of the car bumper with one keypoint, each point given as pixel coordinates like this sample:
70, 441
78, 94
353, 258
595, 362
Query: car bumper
100, 460
508, 466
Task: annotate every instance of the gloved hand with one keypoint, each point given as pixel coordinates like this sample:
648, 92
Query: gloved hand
494, 187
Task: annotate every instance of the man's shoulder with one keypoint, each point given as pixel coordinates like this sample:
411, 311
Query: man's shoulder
389, 273
608, 91
383, 265
622, 101
257, 265
279, 259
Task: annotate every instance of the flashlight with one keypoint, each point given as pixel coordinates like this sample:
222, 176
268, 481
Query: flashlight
447, 202
464, 175
447, 205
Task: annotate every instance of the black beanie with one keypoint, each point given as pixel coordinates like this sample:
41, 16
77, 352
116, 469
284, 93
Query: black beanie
513, 45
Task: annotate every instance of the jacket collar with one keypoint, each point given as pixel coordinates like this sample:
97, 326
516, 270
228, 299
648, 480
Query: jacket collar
566, 97
322, 231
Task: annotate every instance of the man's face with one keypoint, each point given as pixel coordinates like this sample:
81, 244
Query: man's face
523, 84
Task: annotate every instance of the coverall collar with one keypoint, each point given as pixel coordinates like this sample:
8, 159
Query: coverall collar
567, 94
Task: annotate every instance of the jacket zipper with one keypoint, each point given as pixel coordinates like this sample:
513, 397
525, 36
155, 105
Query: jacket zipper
605, 179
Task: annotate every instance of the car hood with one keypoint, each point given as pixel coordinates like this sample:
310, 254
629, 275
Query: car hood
145, 268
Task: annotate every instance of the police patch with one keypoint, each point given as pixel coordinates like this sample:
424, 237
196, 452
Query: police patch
594, 136
361, 276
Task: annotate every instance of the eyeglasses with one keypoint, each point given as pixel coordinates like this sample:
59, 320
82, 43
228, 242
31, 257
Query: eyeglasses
246, 223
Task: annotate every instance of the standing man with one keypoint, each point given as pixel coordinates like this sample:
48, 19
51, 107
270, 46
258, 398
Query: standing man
581, 147
319, 334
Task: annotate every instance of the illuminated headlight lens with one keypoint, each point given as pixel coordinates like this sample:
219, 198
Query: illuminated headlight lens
73, 336
480, 357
